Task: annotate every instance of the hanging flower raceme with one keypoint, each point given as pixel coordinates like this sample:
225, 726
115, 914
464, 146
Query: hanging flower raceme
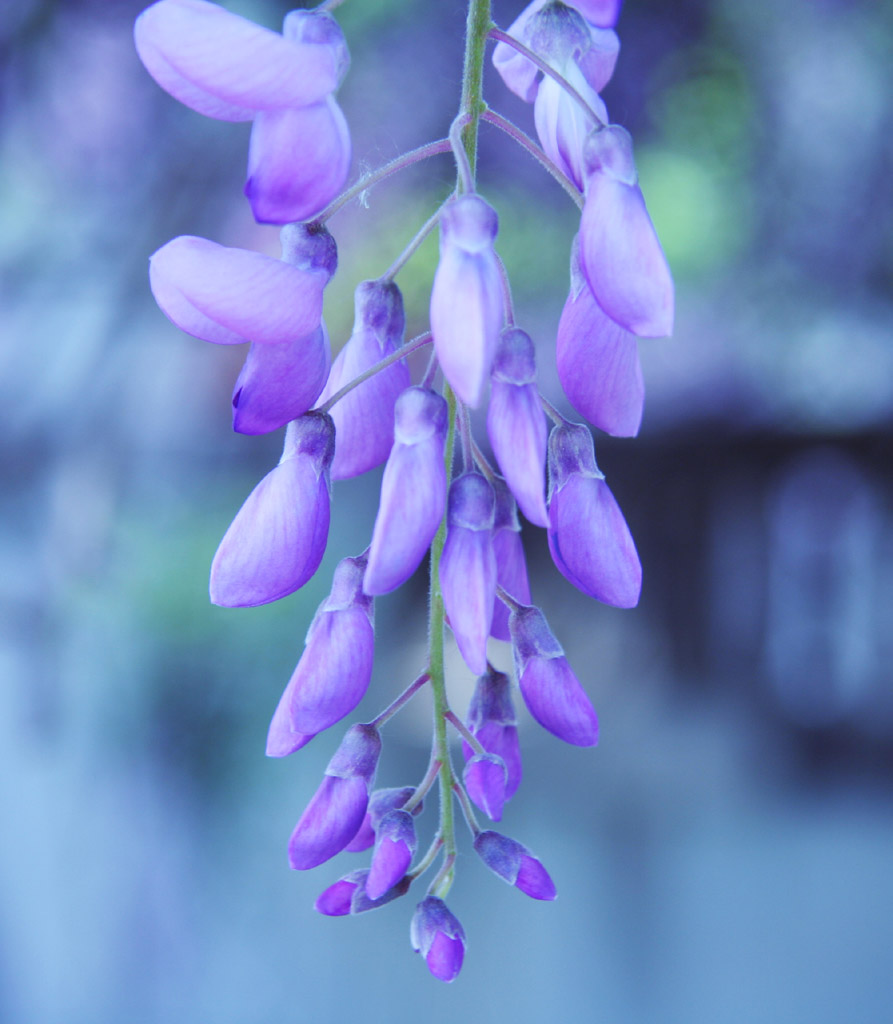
466, 299
226, 67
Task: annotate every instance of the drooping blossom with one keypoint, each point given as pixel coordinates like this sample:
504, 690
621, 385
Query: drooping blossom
588, 537
516, 424
516, 864
511, 566
364, 418
335, 813
413, 491
550, 689
598, 361
395, 845
468, 566
333, 673
277, 540
466, 298
492, 721
619, 249
485, 778
437, 935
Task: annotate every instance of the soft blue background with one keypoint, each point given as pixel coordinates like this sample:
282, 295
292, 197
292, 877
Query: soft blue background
725, 854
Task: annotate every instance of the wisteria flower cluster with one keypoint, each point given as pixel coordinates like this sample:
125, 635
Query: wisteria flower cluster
441, 496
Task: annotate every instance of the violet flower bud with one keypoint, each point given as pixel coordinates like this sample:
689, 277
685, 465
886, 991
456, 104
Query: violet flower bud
466, 299
348, 895
511, 568
438, 936
491, 720
485, 778
516, 864
395, 846
278, 538
413, 491
230, 296
380, 802
282, 739
550, 689
468, 566
621, 255
588, 537
598, 361
334, 671
516, 424
364, 418
225, 66
335, 813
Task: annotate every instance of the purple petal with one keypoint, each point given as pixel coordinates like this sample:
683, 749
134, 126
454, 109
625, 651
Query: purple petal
599, 61
277, 540
364, 417
511, 575
438, 936
329, 822
298, 161
279, 383
622, 258
394, 849
550, 689
533, 879
516, 424
502, 741
518, 73
413, 491
364, 838
229, 296
445, 957
468, 567
466, 298
598, 365
492, 721
225, 66
603, 13
561, 123
282, 740
361, 901
485, 778
336, 900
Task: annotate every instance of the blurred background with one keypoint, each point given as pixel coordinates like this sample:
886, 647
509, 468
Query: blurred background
726, 853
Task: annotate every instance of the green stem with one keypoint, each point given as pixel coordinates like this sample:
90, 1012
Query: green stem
479, 23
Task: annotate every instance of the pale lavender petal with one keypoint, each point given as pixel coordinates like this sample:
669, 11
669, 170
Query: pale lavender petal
466, 298
298, 161
511, 575
225, 66
413, 491
394, 849
321, 29
550, 689
364, 417
518, 73
621, 255
468, 567
277, 540
561, 123
598, 364
230, 296
485, 778
588, 537
329, 822
279, 383
516, 424
599, 61
603, 13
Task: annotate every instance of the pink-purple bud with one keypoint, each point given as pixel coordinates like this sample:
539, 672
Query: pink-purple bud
516, 864
277, 540
437, 935
348, 895
225, 66
516, 424
466, 299
621, 255
364, 417
486, 778
413, 491
336, 811
395, 846
468, 566
550, 689
598, 361
230, 296
588, 537
492, 721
